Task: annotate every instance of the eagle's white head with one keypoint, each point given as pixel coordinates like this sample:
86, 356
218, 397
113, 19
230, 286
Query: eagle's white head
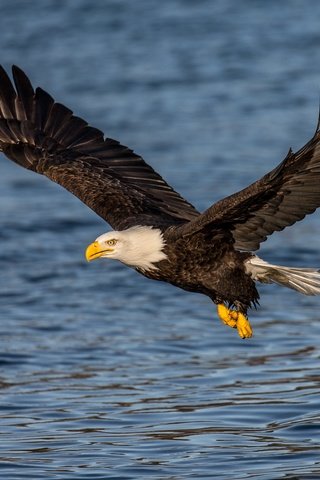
139, 247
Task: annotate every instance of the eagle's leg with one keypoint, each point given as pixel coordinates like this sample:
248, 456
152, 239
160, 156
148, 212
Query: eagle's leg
235, 319
228, 317
243, 326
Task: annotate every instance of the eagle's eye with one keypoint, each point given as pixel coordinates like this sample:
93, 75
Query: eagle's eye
112, 242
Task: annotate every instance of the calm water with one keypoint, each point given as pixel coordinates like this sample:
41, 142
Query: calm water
104, 374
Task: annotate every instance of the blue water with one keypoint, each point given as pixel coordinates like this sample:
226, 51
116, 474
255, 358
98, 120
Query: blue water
105, 374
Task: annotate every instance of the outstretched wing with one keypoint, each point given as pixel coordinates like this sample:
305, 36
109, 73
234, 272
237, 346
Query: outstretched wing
42, 135
279, 199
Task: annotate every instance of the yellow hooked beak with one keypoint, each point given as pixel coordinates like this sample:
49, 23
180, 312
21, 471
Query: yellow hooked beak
96, 250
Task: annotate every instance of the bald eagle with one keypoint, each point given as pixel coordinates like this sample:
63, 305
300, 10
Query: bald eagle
156, 231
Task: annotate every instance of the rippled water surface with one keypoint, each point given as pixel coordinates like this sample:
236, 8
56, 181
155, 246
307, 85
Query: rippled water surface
104, 374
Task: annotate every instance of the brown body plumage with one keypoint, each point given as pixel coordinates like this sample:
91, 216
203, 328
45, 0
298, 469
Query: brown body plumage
208, 265
210, 253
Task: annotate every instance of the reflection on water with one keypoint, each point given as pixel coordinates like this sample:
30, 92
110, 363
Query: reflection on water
151, 410
104, 374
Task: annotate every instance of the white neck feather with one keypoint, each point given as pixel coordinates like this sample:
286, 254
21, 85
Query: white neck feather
144, 247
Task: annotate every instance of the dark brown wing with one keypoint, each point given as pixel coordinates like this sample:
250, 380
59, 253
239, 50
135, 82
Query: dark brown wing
279, 199
45, 136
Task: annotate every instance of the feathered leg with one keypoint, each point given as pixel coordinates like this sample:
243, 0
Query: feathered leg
235, 319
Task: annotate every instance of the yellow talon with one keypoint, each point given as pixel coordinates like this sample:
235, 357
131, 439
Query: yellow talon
235, 319
243, 326
229, 317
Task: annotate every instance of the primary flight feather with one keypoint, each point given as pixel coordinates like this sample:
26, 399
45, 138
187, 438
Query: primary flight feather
156, 231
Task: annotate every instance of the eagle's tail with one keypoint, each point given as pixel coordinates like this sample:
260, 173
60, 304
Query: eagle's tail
304, 280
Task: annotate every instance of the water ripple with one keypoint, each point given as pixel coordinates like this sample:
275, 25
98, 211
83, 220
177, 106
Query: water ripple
104, 374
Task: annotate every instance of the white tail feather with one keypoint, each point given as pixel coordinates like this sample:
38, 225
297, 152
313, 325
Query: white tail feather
304, 280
